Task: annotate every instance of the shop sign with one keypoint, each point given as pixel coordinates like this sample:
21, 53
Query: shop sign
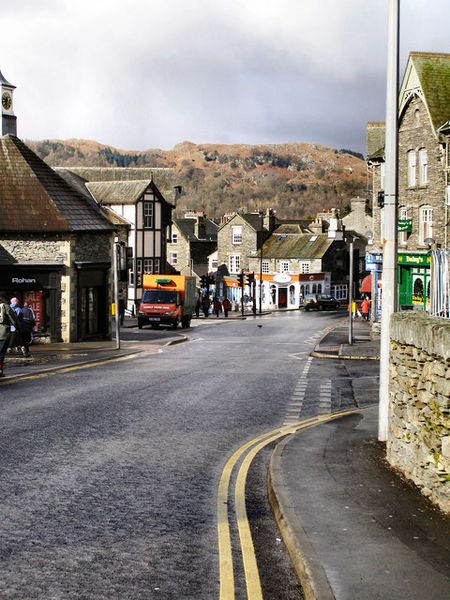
414, 259
404, 225
374, 262
282, 278
35, 301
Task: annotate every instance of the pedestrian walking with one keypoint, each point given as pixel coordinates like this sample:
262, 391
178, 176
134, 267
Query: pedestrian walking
206, 305
15, 337
217, 304
365, 308
8, 319
226, 305
26, 326
198, 305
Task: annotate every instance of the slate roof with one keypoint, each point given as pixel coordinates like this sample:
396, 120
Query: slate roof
3, 81
164, 178
187, 227
433, 71
375, 141
303, 245
34, 198
117, 192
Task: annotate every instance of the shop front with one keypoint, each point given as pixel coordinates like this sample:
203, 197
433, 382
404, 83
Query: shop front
39, 285
92, 305
283, 290
414, 278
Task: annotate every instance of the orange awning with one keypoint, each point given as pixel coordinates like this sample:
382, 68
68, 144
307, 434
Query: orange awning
366, 285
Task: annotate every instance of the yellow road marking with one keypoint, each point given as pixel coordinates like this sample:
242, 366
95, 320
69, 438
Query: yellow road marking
66, 369
226, 573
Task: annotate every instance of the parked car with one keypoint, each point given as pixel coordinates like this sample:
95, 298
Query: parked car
320, 302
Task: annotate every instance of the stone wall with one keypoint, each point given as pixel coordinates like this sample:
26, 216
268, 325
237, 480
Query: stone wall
419, 388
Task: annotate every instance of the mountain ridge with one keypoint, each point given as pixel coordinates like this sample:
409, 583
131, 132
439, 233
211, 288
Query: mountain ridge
297, 179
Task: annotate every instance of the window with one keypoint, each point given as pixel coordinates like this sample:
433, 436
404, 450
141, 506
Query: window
304, 267
148, 215
174, 239
425, 224
148, 266
403, 235
265, 266
423, 167
139, 271
339, 292
156, 268
284, 266
411, 168
234, 263
237, 234
173, 258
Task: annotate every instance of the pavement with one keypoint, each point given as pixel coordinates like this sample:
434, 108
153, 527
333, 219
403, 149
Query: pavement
354, 528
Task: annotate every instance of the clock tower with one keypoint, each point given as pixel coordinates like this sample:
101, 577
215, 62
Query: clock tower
9, 125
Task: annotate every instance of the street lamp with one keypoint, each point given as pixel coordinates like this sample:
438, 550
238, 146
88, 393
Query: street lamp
261, 214
350, 292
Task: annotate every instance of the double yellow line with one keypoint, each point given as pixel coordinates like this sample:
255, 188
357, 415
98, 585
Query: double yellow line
248, 451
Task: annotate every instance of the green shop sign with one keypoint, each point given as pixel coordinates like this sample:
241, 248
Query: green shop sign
413, 259
404, 225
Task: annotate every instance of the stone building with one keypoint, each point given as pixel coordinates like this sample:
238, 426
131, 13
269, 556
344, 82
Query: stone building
139, 196
240, 236
55, 248
423, 171
193, 239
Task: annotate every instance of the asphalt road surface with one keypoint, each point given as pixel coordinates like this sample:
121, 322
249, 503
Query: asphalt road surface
110, 474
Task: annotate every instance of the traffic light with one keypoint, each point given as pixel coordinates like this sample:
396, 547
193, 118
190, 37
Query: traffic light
211, 280
381, 199
250, 278
241, 280
203, 281
125, 261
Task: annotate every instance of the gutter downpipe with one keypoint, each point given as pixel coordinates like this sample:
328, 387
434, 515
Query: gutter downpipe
389, 278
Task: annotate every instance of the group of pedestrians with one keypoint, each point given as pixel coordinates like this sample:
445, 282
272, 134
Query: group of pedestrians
204, 304
16, 328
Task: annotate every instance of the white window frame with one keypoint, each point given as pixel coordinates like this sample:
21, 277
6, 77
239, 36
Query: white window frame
148, 214
236, 234
265, 266
403, 235
423, 166
305, 267
174, 239
412, 168
284, 266
234, 263
425, 223
173, 258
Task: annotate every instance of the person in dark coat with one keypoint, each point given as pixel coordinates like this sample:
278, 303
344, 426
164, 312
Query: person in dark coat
226, 304
205, 305
8, 319
198, 305
15, 338
26, 326
217, 306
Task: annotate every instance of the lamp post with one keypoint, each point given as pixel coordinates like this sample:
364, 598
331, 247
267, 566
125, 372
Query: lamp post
350, 293
389, 303
260, 263
116, 251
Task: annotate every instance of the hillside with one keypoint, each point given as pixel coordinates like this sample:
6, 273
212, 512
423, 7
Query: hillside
296, 179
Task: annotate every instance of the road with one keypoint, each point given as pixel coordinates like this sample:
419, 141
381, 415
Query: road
111, 474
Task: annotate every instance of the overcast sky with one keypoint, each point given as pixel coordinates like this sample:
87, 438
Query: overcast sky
140, 74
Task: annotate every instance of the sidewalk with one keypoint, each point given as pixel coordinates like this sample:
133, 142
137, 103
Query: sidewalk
355, 530
57, 356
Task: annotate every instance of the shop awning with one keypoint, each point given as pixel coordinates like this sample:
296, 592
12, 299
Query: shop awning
366, 285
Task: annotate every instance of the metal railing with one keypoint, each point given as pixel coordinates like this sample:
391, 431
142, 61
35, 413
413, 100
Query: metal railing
440, 284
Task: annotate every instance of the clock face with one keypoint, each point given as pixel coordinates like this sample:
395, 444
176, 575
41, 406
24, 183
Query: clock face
6, 100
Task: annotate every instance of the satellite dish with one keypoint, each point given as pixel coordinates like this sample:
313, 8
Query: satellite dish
429, 241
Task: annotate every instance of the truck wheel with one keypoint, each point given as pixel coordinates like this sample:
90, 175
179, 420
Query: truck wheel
140, 323
175, 324
186, 322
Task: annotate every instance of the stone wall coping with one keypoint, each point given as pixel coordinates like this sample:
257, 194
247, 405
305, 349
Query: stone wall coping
431, 334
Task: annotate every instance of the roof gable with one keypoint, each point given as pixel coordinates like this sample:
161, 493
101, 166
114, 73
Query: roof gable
427, 76
117, 192
300, 245
35, 198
